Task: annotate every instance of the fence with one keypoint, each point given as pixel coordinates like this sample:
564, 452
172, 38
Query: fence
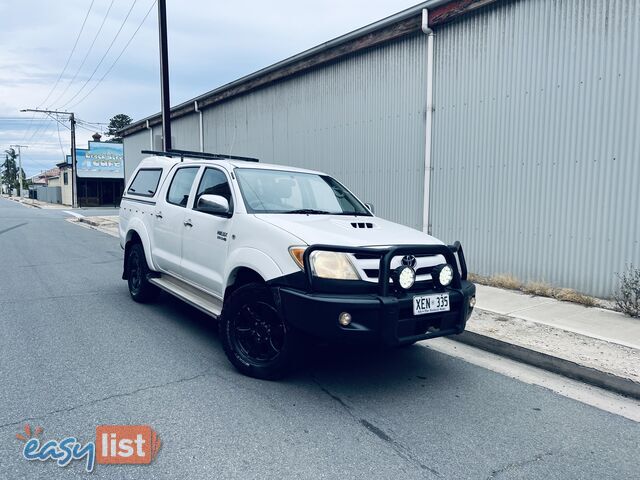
49, 194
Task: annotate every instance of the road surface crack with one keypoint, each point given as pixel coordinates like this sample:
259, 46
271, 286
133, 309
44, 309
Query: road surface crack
11, 228
104, 399
399, 449
521, 463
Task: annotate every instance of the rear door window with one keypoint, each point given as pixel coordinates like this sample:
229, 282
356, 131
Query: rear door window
145, 183
181, 183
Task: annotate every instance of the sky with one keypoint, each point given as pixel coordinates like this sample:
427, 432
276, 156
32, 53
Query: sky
210, 44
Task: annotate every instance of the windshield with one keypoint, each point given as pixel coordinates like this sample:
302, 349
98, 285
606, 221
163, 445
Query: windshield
277, 191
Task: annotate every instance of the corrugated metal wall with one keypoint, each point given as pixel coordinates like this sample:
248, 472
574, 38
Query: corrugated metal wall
360, 120
536, 149
133, 144
185, 133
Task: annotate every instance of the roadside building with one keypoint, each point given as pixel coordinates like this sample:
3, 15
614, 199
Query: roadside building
100, 179
46, 186
45, 177
513, 129
66, 187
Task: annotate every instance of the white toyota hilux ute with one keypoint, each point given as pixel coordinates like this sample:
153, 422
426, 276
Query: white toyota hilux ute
278, 253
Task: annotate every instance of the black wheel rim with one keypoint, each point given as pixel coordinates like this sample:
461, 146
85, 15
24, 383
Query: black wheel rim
257, 333
135, 272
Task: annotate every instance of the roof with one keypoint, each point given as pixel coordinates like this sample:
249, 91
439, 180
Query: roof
396, 26
43, 176
167, 162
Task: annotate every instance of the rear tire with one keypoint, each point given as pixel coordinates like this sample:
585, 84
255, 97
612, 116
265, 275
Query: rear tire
138, 276
255, 337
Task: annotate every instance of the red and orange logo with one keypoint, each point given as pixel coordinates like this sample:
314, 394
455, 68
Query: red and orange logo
130, 444
115, 444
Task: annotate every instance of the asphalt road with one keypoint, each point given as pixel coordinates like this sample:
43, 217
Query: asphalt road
77, 352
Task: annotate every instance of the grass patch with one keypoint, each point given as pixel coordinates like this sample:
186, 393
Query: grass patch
540, 289
500, 281
568, 295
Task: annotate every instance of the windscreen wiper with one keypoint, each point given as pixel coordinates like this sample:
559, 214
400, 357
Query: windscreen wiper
309, 211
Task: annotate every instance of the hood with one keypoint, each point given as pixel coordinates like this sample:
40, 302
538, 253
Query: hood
349, 231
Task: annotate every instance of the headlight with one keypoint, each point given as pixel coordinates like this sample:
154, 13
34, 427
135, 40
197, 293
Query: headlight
442, 274
333, 265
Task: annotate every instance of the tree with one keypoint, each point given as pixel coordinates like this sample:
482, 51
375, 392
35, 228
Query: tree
117, 123
10, 170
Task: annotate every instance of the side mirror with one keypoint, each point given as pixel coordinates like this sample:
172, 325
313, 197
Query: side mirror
370, 207
214, 204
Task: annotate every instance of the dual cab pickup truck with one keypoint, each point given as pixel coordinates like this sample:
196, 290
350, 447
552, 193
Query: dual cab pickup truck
276, 253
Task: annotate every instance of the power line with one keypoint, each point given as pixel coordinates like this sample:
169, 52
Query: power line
60, 142
75, 75
103, 56
17, 119
43, 135
74, 159
90, 127
58, 120
92, 123
99, 126
117, 58
75, 44
37, 130
92, 130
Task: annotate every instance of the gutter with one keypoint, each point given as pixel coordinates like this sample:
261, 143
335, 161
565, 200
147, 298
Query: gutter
382, 31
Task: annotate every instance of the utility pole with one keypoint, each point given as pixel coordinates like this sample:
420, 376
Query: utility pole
164, 75
74, 162
19, 166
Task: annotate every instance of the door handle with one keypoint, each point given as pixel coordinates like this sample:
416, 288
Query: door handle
158, 214
187, 223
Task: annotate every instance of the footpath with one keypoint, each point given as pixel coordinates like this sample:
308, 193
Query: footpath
594, 345
35, 203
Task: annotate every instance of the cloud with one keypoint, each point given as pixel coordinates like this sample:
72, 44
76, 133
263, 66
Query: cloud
210, 44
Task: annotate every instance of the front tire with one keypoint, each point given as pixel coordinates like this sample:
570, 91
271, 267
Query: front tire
255, 337
138, 276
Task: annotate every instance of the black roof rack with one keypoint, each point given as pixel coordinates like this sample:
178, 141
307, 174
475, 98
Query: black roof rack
188, 153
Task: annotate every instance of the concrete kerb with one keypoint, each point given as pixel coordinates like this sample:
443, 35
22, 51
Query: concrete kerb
551, 363
102, 224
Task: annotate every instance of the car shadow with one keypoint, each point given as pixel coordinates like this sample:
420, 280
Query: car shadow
368, 368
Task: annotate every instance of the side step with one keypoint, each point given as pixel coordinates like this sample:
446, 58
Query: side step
193, 296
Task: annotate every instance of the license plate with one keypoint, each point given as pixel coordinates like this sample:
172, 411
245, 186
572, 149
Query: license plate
431, 303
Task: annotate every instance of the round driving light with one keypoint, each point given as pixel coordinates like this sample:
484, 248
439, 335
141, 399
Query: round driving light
445, 275
472, 302
344, 319
405, 277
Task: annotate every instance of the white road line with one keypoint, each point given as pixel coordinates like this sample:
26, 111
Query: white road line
77, 215
594, 396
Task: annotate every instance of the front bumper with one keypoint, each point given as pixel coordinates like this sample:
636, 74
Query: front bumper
380, 313
389, 319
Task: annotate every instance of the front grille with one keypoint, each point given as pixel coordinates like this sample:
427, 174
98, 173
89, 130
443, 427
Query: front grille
374, 272
368, 265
